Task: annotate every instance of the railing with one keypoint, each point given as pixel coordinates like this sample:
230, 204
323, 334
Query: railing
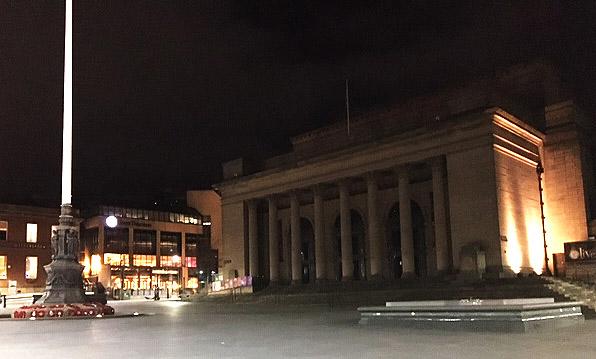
24, 299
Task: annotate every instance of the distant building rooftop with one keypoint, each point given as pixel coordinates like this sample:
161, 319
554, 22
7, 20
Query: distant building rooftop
187, 215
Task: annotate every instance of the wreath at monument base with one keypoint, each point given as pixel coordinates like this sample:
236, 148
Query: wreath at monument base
57, 311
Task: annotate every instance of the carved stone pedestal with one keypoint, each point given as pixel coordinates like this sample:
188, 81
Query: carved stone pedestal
64, 284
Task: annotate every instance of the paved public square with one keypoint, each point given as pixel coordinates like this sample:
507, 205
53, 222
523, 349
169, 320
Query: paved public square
173, 329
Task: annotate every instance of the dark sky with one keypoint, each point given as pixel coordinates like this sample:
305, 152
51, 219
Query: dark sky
164, 91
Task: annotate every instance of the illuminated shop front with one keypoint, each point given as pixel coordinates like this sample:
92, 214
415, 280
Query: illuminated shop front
137, 250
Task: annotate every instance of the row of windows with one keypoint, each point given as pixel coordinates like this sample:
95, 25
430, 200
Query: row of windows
144, 242
30, 267
31, 236
149, 215
142, 260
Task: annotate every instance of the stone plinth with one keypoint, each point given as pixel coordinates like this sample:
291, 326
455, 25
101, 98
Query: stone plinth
503, 315
64, 283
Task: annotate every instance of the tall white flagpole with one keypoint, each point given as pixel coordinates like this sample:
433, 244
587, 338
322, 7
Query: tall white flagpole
64, 283
67, 112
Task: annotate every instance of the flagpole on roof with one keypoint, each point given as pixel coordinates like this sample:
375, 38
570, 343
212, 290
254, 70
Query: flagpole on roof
347, 107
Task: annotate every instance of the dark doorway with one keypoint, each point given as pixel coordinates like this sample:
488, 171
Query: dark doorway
358, 246
337, 248
394, 241
263, 242
307, 250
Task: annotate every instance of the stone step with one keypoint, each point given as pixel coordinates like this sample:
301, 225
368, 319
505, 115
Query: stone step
509, 315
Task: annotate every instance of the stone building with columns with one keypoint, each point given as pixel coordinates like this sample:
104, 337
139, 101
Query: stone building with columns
441, 184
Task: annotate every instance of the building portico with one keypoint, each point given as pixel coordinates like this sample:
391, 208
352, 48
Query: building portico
408, 196
363, 185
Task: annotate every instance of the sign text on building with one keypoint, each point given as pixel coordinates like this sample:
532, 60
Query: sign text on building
580, 251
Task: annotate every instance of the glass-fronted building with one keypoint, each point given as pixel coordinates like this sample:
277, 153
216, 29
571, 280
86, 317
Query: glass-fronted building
137, 249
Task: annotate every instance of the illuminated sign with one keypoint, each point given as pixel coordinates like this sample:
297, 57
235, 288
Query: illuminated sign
584, 251
7, 244
164, 271
126, 222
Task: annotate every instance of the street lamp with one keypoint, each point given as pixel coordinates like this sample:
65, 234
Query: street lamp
539, 172
112, 221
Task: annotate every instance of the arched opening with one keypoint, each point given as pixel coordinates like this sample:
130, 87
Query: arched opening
263, 241
337, 248
307, 250
358, 246
394, 241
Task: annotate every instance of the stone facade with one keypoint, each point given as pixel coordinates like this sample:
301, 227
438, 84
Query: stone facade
208, 203
411, 195
565, 164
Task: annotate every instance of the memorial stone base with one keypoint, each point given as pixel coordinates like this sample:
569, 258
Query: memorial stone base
64, 295
500, 315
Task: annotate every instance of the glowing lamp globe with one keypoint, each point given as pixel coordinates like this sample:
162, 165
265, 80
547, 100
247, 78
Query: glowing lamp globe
111, 221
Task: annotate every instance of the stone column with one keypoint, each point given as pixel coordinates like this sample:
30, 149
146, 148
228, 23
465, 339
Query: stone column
183, 249
405, 222
273, 242
101, 240
253, 244
347, 258
296, 238
183, 269
158, 249
320, 255
130, 246
440, 218
376, 255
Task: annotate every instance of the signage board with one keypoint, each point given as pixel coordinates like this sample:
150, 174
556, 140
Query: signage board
134, 223
14, 244
580, 252
164, 271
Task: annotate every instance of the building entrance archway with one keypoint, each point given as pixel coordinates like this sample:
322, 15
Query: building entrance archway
263, 242
358, 246
307, 250
394, 241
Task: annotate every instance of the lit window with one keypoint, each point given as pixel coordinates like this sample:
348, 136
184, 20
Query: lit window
192, 283
142, 260
31, 268
95, 264
116, 259
170, 261
31, 232
3, 267
3, 230
191, 262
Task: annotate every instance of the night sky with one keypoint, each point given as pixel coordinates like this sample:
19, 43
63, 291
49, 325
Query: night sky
164, 91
